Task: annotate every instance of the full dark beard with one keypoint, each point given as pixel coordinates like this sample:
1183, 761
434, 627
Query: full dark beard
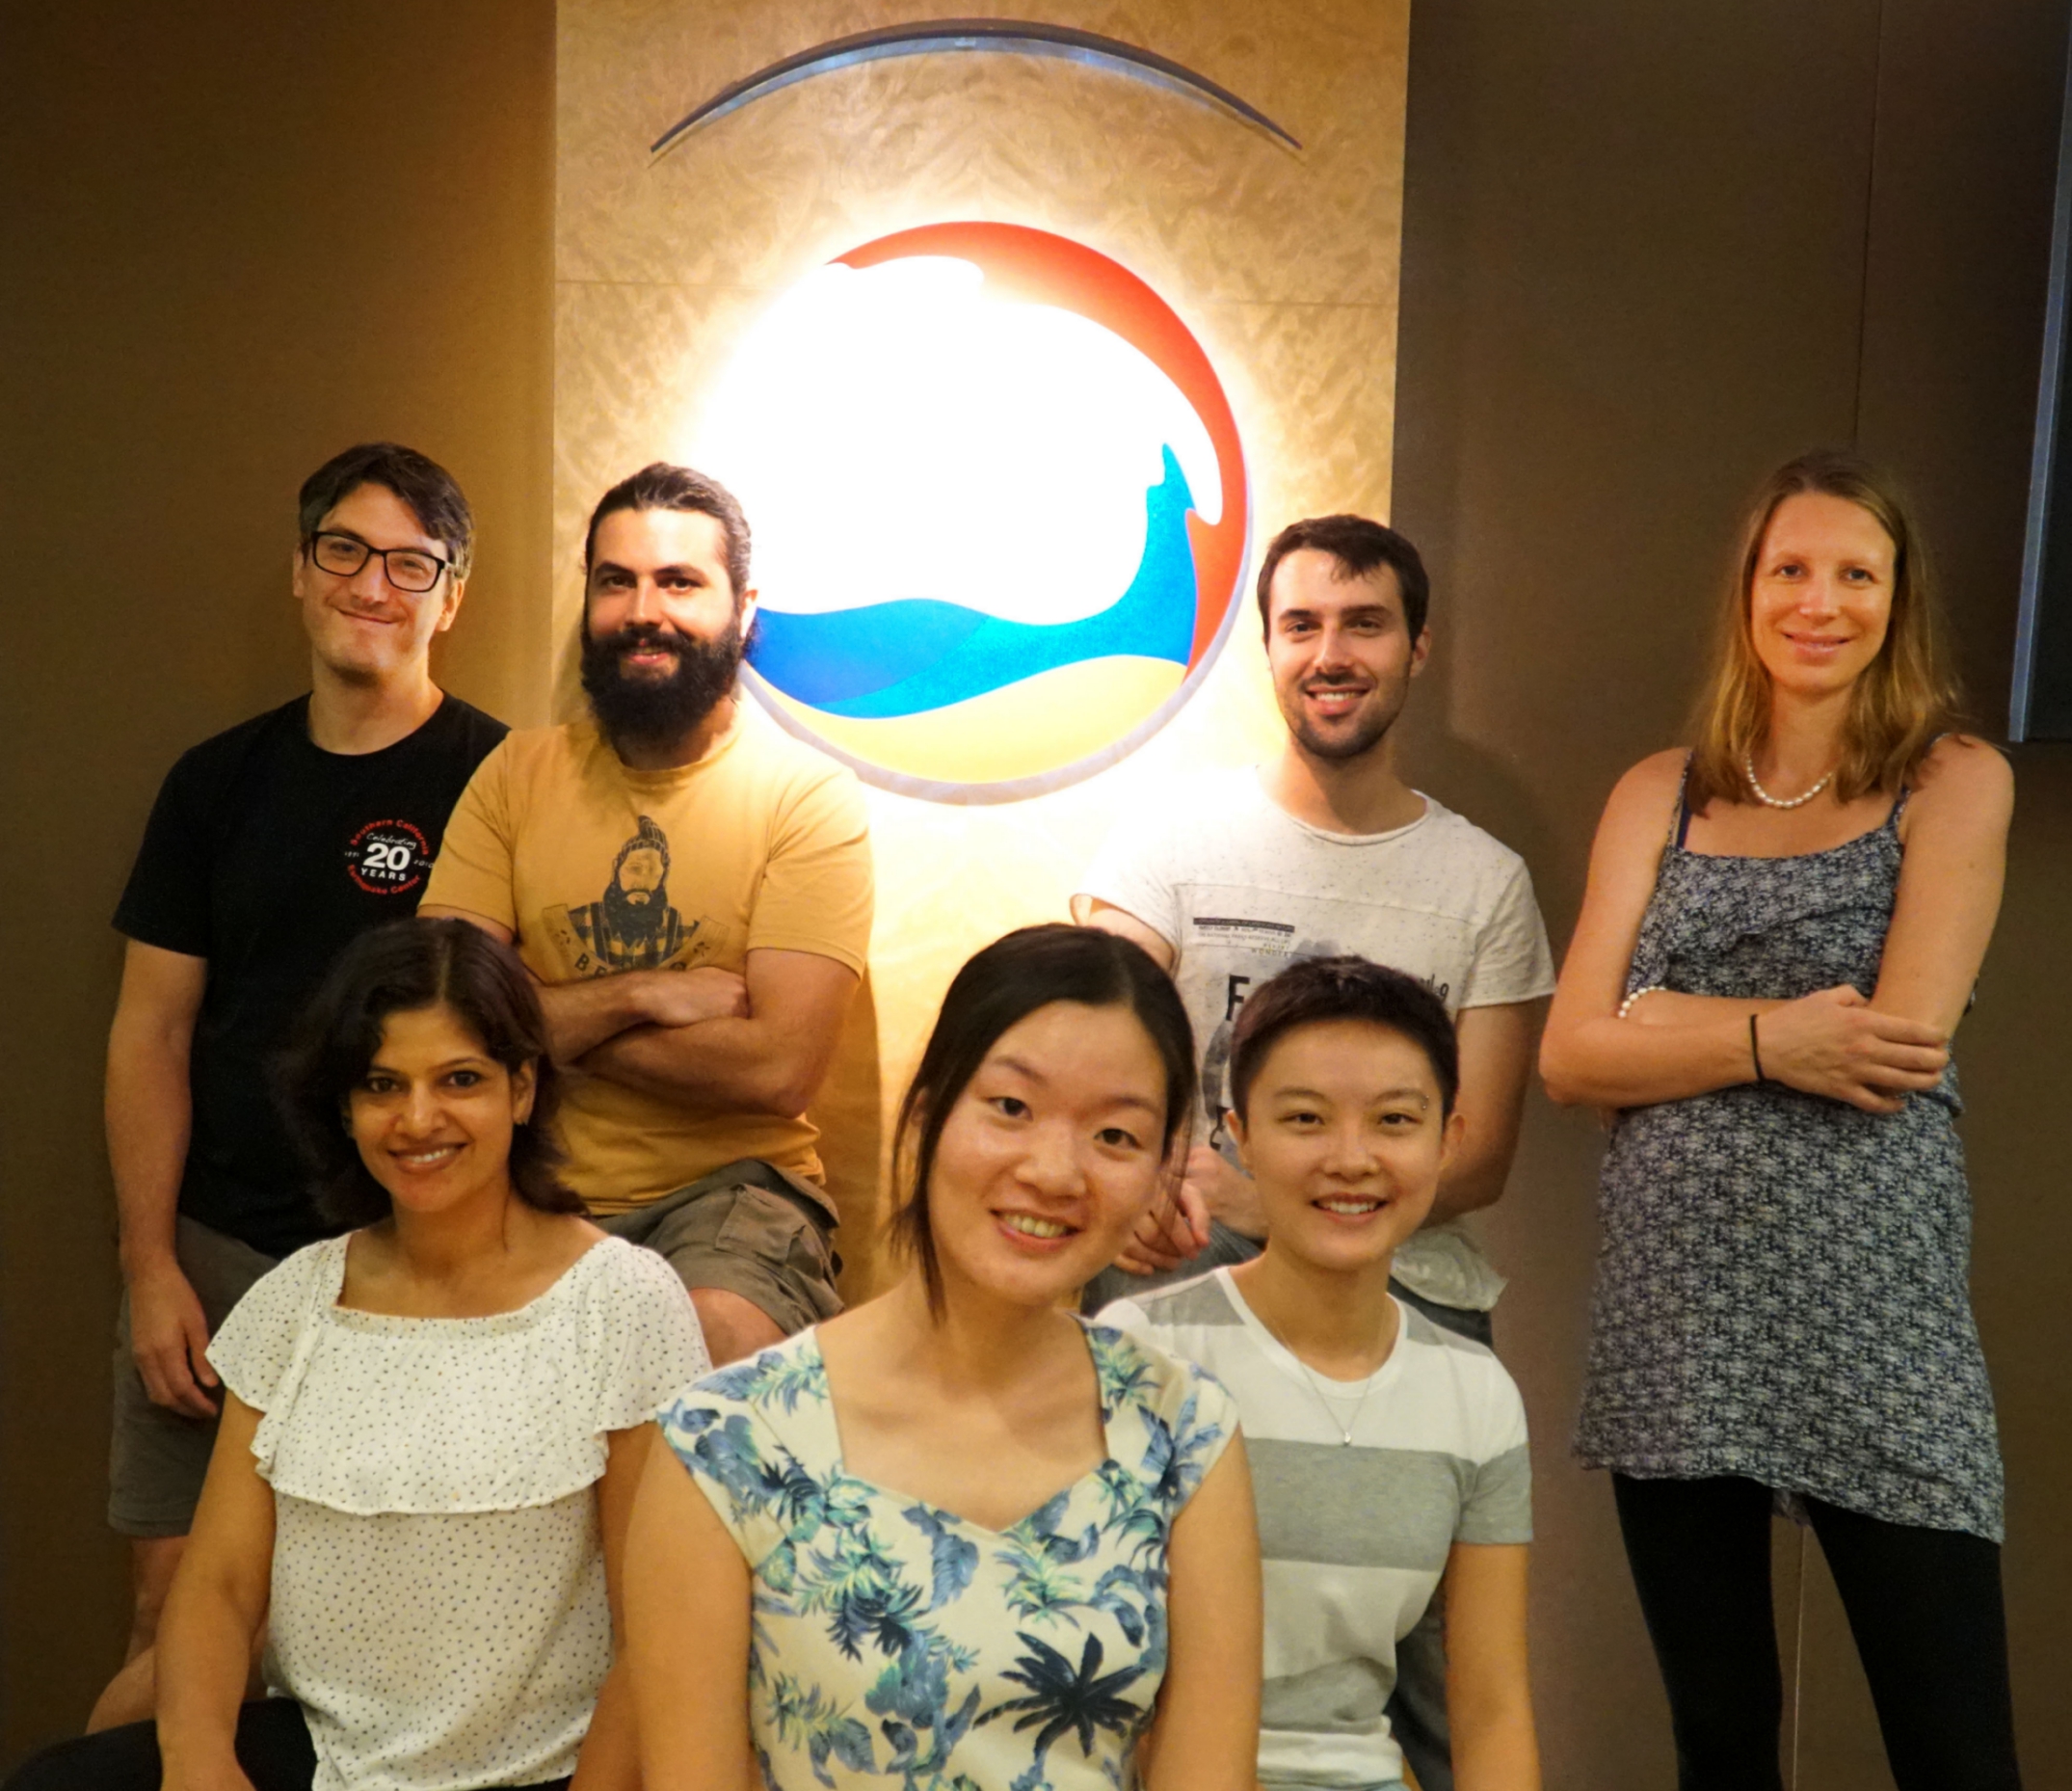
658, 711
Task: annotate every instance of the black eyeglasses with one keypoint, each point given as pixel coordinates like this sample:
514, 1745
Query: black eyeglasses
407, 569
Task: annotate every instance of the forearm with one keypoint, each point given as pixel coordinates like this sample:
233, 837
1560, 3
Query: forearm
1495, 1748
204, 1661
582, 1015
610, 1756
1473, 1183
722, 1065
149, 1120
1612, 1062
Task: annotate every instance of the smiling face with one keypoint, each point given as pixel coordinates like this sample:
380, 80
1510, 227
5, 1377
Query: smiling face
1339, 651
362, 627
1820, 600
434, 1113
1345, 1134
1049, 1156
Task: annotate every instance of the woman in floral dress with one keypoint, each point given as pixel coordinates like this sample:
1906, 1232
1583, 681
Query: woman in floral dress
958, 1540
1782, 930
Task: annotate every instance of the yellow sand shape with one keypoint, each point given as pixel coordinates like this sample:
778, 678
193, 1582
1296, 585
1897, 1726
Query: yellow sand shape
1041, 724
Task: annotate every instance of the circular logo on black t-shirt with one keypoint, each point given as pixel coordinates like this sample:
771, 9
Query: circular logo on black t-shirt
388, 858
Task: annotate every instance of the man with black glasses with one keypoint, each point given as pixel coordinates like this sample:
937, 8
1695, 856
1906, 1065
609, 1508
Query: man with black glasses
269, 847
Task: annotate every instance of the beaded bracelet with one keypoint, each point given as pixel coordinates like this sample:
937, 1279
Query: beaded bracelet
1627, 1005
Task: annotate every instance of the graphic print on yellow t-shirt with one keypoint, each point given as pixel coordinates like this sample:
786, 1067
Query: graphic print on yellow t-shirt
632, 925
599, 869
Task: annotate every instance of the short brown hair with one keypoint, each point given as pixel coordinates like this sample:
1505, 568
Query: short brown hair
421, 483
1359, 545
1907, 697
659, 486
401, 968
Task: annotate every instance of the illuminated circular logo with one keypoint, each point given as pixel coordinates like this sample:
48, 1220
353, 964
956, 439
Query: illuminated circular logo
1000, 507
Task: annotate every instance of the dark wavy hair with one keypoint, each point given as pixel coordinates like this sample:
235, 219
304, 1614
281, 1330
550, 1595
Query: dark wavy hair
998, 988
659, 486
401, 968
1317, 990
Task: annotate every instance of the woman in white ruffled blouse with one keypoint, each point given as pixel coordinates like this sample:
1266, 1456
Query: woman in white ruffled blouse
432, 1427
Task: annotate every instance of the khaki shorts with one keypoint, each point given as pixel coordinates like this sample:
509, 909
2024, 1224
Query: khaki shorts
750, 1229
156, 1457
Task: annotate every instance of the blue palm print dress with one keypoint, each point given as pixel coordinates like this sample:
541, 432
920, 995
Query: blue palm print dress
898, 1644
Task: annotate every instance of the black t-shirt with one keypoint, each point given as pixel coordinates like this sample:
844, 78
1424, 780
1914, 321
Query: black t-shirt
264, 855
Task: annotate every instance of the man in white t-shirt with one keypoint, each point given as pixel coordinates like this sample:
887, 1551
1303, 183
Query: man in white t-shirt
1325, 849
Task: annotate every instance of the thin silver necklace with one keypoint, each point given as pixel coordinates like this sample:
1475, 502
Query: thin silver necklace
1323, 1399
1768, 801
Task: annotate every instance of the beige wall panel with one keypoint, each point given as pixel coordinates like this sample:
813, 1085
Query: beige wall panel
1283, 264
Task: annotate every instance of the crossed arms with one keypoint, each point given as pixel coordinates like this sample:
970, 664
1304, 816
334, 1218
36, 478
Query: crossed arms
708, 1039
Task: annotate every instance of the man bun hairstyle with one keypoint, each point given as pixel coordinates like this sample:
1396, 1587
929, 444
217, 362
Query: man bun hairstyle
999, 987
430, 491
402, 968
659, 486
1359, 545
1318, 990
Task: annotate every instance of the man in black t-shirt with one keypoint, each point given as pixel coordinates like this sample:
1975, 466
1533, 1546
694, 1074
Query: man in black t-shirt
270, 847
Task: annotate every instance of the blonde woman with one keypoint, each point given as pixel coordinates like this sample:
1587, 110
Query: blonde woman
1781, 929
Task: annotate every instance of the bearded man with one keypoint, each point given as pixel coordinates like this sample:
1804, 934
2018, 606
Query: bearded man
691, 888
1321, 850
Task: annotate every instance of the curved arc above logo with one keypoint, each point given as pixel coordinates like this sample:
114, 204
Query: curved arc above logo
1007, 510
935, 36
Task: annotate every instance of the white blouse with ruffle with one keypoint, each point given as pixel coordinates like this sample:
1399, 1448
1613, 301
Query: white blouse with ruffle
439, 1605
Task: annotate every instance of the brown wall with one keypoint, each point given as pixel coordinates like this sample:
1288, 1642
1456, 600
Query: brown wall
240, 236
1650, 251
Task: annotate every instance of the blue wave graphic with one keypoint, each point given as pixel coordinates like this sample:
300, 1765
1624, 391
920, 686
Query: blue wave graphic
918, 653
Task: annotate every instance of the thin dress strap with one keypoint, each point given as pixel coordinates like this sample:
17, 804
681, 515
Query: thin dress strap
1682, 804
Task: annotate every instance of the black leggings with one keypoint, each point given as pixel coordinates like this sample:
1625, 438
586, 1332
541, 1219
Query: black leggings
1924, 1605
273, 1747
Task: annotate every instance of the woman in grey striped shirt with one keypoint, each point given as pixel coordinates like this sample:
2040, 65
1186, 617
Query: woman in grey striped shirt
1386, 1454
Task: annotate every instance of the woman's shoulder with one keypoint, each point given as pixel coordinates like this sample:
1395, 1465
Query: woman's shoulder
1654, 780
1183, 1412
289, 1291
747, 1426
766, 1387
614, 1268
1962, 771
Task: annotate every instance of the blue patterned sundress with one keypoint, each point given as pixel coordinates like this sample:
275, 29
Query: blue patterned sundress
894, 1644
1782, 1279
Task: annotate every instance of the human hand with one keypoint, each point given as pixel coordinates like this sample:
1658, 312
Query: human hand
687, 997
1167, 1236
1226, 1190
168, 1337
1834, 1043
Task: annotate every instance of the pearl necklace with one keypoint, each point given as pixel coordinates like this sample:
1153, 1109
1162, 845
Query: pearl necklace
1768, 801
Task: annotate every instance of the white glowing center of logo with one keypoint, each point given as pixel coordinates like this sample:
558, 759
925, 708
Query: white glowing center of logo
893, 432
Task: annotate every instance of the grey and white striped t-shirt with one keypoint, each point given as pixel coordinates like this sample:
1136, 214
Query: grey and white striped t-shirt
1354, 1537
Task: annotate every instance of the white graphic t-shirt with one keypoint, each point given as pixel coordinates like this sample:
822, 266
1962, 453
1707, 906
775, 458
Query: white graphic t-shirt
1241, 889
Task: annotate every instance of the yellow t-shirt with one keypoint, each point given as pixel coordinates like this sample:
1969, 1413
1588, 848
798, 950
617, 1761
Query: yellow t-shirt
597, 869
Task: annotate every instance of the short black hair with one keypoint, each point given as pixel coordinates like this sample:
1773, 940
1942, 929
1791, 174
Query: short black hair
660, 486
400, 968
999, 987
1359, 547
430, 491
1318, 990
